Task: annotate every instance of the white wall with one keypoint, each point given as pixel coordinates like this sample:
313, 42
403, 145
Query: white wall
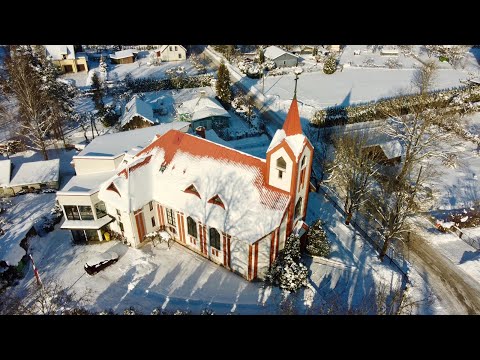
75, 200
90, 165
263, 256
302, 192
285, 182
239, 256
173, 55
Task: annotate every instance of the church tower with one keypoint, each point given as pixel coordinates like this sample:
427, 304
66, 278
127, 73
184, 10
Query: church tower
289, 164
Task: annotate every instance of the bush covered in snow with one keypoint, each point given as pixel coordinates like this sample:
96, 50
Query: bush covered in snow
456, 101
330, 65
287, 271
317, 242
47, 222
151, 84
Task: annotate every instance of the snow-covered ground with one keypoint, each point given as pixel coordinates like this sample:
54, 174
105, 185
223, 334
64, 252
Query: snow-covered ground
20, 217
364, 52
451, 246
176, 278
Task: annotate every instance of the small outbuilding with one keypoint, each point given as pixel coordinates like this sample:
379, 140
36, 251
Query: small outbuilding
123, 57
281, 57
204, 111
138, 114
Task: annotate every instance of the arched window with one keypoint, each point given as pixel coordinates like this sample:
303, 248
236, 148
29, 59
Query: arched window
214, 238
192, 227
281, 164
298, 208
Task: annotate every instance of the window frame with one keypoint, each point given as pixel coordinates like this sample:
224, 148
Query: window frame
192, 226
153, 221
99, 212
170, 216
67, 213
213, 239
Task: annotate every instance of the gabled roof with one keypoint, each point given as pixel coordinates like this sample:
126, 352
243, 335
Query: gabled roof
165, 168
200, 108
57, 51
112, 145
137, 107
5, 169
291, 132
122, 54
164, 47
273, 52
36, 172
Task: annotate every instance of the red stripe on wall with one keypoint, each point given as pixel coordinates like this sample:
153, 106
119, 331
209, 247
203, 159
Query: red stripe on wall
249, 261
229, 257
225, 250
255, 267
205, 247
277, 242
200, 232
140, 226
272, 247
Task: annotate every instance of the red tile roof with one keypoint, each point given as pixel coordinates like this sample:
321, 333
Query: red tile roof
292, 125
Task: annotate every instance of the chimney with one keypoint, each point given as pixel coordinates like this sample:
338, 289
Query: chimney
200, 131
203, 93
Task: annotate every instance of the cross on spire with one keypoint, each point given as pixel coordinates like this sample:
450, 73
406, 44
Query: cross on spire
295, 91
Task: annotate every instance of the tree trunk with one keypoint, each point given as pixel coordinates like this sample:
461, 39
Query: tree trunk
44, 152
384, 249
349, 218
91, 124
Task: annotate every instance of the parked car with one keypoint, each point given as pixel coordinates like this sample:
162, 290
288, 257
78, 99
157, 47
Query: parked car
100, 261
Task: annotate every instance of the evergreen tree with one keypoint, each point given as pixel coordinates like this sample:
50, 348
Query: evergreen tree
223, 85
98, 93
287, 271
261, 56
330, 65
317, 243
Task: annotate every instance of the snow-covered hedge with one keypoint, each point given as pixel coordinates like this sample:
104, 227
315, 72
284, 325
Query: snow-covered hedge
177, 82
457, 100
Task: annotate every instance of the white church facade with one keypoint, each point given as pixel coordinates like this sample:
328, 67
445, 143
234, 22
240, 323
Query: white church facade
231, 207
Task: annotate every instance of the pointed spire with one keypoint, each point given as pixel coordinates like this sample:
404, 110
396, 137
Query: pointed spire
292, 125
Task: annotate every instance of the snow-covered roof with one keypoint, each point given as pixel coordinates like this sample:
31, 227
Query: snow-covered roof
137, 107
168, 166
122, 54
86, 224
391, 149
85, 184
112, 145
57, 51
162, 48
273, 52
200, 108
37, 172
5, 168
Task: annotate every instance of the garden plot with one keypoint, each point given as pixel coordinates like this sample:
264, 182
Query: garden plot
369, 56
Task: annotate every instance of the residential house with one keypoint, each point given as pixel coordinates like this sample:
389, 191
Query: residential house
29, 176
228, 206
137, 114
303, 49
123, 57
171, 52
66, 59
85, 213
280, 57
204, 111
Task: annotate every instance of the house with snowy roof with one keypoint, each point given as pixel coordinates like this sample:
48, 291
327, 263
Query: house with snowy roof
85, 214
280, 57
204, 111
171, 52
123, 57
137, 114
66, 59
29, 175
228, 206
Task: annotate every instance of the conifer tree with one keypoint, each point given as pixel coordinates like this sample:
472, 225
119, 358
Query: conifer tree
223, 85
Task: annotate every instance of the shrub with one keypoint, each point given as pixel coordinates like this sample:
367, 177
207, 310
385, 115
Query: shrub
317, 242
287, 271
330, 65
443, 58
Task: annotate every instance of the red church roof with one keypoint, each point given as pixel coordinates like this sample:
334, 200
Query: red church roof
292, 125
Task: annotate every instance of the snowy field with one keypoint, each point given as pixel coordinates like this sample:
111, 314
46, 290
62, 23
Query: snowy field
365, 52
350, 86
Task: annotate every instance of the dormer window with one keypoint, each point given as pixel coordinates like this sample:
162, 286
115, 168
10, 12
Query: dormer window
113, 188
192, 190
217, 201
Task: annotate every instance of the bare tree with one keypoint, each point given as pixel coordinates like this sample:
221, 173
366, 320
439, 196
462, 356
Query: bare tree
425, 77
49, 299
24, 82
354, 170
